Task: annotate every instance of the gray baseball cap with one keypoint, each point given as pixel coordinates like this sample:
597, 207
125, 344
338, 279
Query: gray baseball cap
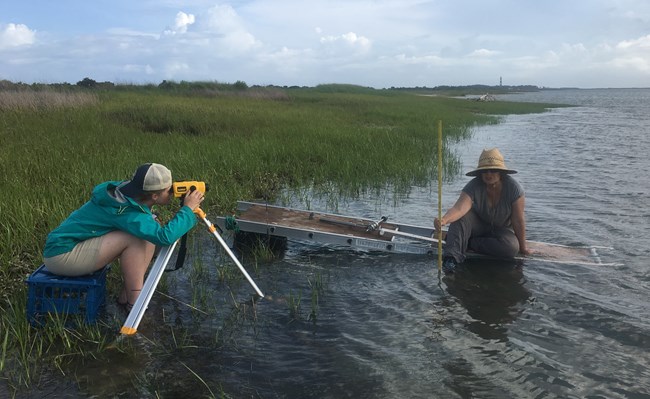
148, 177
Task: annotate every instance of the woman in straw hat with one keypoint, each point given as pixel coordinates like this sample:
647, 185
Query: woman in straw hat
488, 217
117, 223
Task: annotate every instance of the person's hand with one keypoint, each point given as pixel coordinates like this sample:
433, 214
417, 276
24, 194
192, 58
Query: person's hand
193, 199
157, 219
526, 252
437, 223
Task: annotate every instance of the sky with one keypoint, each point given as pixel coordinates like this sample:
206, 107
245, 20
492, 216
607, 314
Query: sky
373, 43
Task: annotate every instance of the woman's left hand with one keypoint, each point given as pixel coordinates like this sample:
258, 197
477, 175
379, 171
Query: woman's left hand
526, 252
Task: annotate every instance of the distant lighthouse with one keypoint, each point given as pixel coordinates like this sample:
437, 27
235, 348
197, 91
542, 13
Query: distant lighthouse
500, 81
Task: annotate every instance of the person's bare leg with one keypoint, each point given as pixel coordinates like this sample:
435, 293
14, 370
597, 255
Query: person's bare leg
135, 255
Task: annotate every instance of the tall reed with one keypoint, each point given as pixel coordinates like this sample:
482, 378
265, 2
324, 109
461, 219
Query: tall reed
20, 100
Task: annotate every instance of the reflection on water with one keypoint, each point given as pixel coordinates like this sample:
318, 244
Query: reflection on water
493, 293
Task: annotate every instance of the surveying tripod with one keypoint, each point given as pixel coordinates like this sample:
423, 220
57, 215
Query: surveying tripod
137, 312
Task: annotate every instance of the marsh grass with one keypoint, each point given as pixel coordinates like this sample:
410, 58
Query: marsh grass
63, 339
198, 377
339, 141
227, 272
238, 316
261, 251
293, 303
317, 284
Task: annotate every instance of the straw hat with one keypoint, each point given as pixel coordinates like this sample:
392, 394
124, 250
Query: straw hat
491, 159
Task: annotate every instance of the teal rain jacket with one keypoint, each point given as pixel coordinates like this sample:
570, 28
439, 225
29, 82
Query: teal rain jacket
108, 210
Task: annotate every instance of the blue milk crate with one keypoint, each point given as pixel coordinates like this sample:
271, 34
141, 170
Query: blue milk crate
50, 293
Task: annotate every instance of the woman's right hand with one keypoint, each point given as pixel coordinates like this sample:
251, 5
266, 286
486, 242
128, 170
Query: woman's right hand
437, 224
194, 199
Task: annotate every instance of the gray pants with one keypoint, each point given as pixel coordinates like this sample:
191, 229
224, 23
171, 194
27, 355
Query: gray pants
470, 232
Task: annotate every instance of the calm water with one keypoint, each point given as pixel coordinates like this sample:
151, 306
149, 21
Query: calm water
386, 326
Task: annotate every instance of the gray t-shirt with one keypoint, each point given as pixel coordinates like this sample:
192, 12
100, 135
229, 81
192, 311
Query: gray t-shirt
500, 215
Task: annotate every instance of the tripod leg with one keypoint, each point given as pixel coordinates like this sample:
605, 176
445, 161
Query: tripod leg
214, 232
130, 326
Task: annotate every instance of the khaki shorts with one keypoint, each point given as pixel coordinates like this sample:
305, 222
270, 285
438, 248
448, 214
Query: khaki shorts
80, 261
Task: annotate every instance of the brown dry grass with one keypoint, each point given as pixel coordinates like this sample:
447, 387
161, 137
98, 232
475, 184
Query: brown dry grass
27, 99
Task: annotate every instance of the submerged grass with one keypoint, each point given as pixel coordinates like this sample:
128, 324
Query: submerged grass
338, 140
62, 339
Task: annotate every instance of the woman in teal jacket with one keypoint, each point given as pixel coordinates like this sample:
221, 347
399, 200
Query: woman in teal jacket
117, 223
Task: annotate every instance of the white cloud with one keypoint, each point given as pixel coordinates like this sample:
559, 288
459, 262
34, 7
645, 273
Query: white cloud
219, 29
640, 43
15, 35
221, 19
182, 22
173, 68
139, 69
426, 60
130, 32
633, 62
288, 62
484, 53
631, 55
348, 40
577, 48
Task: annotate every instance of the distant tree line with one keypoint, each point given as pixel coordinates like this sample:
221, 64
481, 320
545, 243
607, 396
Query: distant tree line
88, 83
469, 89
241, 86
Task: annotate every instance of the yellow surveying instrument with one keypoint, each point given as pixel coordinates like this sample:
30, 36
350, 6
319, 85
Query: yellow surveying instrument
180, 189
184, 187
